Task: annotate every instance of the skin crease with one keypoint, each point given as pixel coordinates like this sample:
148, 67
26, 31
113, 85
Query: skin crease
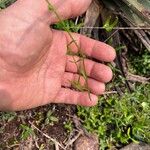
35, 69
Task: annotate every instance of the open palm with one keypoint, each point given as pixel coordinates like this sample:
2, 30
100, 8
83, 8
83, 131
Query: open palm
35, 67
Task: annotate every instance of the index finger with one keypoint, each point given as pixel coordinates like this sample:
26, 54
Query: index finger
90, 47
62, 10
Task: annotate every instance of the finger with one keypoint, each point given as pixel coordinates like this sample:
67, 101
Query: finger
90, 47
77, 98
95, 87
39, 10
97, 71
68, 8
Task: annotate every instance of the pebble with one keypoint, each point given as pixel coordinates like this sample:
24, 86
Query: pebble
134, 146
87, 143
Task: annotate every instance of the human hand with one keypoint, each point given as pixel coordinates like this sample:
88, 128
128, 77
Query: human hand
35, 67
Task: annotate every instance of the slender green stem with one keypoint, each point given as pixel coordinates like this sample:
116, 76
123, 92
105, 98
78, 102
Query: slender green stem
82, 71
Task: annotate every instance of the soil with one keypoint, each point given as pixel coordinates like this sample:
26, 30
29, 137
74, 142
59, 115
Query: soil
11, 137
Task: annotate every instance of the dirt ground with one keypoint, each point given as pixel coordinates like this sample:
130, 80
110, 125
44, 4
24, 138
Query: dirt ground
11, 136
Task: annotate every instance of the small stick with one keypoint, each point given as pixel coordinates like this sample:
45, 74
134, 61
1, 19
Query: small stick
110, 92
73, 140
57, 144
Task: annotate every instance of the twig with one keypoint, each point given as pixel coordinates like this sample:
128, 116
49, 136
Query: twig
110, 92
111, 35
137, 78
70, 142
12, 146
117, 28
57, 144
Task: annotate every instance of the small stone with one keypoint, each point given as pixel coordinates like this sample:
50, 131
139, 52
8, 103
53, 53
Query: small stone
134, 146
90, 142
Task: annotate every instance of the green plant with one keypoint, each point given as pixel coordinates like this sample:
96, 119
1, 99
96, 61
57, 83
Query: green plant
69, 24
68, 125
119, 120
7, 117
5, 3
66, 27
42, 147
110, 24
139, 63
2, 129
50, 118
26, 131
